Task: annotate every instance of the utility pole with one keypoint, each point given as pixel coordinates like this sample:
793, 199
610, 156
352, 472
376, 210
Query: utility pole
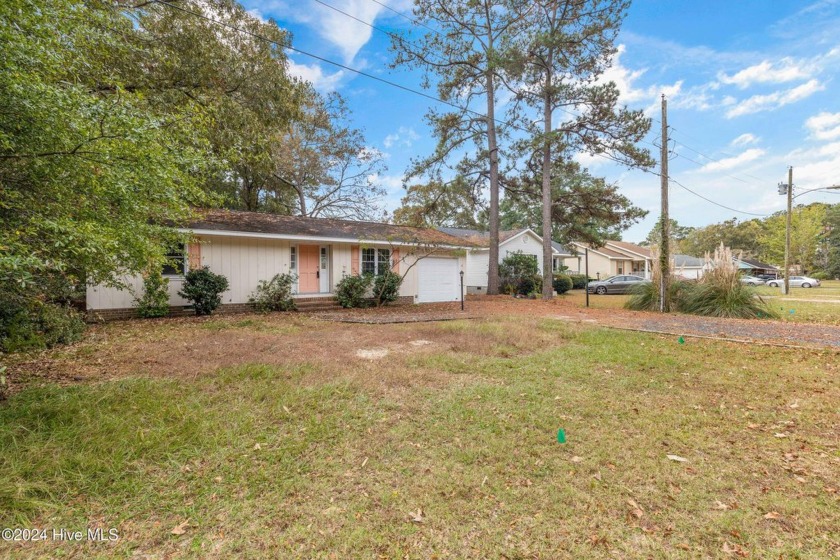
664, 234
787, 230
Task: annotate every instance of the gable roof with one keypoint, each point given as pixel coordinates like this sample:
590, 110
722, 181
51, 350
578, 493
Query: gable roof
559, 249
274, 225
606, 251
752, 263
482, 238
631, 248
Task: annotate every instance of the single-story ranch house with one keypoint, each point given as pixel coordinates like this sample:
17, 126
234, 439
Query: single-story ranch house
615, 257
511, 241
247, 247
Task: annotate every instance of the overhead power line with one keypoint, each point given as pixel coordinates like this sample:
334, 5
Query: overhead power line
716, 203
412, 90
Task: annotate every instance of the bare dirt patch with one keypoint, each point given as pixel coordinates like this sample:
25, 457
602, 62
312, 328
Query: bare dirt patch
193, 346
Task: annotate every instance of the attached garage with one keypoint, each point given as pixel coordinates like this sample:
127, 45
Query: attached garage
438, 279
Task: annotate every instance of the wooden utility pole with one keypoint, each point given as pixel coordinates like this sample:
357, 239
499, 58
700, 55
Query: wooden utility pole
665, 220
787, 230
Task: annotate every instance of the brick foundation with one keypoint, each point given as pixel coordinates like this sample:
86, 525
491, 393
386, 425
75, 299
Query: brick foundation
104, 315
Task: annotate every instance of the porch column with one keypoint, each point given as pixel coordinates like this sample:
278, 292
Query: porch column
647, 270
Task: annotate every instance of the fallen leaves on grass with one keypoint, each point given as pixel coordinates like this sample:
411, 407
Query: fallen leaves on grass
772, 515
635, 509
735, 549
677, 458
417, 516
181, 528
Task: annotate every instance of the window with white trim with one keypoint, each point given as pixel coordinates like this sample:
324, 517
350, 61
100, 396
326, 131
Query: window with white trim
293, 259
376, 261
176, 261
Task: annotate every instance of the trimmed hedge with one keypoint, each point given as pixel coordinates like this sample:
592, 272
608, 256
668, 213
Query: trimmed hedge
562, 283
578, 281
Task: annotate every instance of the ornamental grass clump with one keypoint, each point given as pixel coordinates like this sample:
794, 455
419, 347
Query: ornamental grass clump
720, 293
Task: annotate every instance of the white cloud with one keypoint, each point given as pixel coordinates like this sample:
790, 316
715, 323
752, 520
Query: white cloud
393, 184
733, 162
744, 140
785, 70
816, 167
771, 101
315, 75
345, 33
824, 126
625, 78
404, 137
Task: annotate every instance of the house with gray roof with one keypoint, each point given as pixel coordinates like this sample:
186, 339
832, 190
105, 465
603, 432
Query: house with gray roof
522, 240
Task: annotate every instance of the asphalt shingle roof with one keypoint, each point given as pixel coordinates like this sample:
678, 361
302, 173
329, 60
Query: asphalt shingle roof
259, 222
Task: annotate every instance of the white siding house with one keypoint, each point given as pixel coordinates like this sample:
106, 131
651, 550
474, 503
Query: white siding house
247, 247
512, 241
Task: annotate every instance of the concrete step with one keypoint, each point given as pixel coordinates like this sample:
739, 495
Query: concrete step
327, 304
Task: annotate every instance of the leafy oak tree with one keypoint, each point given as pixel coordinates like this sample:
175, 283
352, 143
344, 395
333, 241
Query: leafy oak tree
324, 163
88, 173
806, 236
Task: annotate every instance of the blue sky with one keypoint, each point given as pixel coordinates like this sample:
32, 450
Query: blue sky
751, 87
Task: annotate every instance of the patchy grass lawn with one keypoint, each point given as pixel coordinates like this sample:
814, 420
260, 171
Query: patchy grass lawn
273, 437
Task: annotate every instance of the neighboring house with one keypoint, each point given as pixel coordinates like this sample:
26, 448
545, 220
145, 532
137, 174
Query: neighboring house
247, 247
689, 267
511, 241
753, 267
615, 257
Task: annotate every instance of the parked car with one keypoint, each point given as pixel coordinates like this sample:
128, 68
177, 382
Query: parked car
620, 284
752, 281
767, 277
795, 282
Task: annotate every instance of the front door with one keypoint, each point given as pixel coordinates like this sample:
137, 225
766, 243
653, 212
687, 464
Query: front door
309, 282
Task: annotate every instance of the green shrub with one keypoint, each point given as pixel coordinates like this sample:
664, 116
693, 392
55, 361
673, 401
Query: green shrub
820, 275
155, 299
386, 287
274, 294
35, 325
518, 272
578, 281
352, 291
203, 288
562, 283
527, 285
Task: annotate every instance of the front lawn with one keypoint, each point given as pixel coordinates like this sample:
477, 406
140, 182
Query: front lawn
271, 437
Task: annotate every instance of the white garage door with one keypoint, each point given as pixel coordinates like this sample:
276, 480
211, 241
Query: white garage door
438, 280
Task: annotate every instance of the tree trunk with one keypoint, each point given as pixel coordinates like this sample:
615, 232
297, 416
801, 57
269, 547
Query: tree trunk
493, 268
548, 276
302, 200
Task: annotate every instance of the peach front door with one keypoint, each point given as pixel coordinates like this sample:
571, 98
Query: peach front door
308, 269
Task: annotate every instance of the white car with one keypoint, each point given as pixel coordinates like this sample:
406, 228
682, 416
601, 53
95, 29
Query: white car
795, 282
752, 281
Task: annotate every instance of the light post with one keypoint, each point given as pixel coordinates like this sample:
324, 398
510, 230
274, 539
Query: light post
787, 189
586, 271
462, 290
